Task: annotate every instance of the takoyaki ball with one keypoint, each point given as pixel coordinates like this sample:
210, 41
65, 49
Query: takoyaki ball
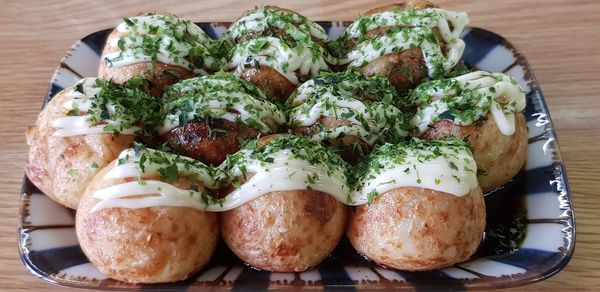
278, 22
486, 110
70, 143
418, 229
404, 69
209, 117
289, 231
277, 49
407, 42
499, 157
419, 205
277, 66
162, 49
295, 218
348, 111
131, 240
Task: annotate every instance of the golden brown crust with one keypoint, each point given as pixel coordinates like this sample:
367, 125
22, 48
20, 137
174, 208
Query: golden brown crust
499, 158
416, 229
405, 69
288, 231
52, 158
198, 140
147, 245
159, 75
269, 81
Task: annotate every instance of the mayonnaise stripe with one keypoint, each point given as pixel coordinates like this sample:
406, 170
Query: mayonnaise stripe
449, 169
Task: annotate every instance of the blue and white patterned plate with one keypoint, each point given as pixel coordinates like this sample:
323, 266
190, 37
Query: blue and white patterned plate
537, 201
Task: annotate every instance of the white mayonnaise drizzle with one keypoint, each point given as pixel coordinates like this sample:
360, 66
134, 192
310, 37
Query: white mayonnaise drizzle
275, 53
264, 18
79, 124
428, 17
171, 51
367, 121
143, 192
416, 29
284, 174
448, 169
223, 103
498, 94
453, 172
129, 166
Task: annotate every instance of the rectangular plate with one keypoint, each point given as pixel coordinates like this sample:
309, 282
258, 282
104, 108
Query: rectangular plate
540, 193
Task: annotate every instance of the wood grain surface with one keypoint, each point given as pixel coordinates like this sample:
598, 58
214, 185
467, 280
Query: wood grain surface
561, 40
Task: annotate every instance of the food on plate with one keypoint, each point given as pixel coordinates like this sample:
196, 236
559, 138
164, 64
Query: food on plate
218, 111
347, 110
277, 49
162, 49
293, 215
426, 209
81, 130
406, 42
485, 109
208, 117
142, 218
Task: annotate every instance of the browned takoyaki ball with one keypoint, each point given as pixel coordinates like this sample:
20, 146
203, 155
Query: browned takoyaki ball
145, 245
405, 69
61, 166
418, 229
297, 30
289, 231
284, 231
158, 75
499, 157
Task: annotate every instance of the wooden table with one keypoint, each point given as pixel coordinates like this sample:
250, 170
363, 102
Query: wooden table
561, 40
